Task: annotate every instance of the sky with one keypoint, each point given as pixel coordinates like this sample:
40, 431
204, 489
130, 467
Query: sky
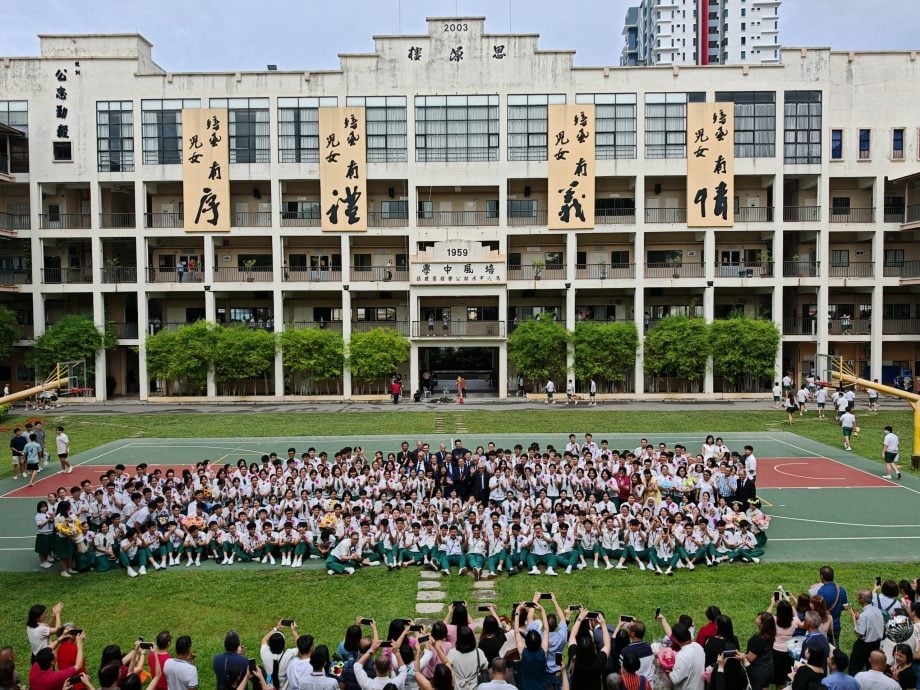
222, 35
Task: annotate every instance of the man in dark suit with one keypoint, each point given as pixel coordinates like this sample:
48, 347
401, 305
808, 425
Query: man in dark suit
479, 481
422, 464
746, 488
404, 455
458, 450
461, 472
442, 455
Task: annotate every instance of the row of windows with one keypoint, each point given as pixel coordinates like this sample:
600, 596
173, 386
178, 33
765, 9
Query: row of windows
864, 144
450, 128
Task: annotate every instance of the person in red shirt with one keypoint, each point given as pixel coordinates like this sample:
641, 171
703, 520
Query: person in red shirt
67, 654
709, 629
164, 639
42, 675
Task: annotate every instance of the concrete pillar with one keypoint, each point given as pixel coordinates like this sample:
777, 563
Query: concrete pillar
278, 317
878, 305
709, 301
639, 307
210, 301
37, 250
346, 332
503, 347
779, 203
823, 254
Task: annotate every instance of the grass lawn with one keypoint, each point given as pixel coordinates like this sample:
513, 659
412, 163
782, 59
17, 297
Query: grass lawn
206, 603
89, 431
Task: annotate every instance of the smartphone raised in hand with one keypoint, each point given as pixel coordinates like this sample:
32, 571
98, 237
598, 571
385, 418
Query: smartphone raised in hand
484, 609
592, 615
416, 628
287, 622
423, 638
252, 665
558, 658
386, 643
878, 581
575, 607
367, 621
146, 645
776, 597
546, 595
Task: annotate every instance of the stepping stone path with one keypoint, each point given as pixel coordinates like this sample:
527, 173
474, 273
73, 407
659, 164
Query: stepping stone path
429, 584
430, 597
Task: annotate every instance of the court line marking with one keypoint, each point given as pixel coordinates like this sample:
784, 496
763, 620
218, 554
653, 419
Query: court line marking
82, 462
839, 539
845, 524
858, 469
826, 488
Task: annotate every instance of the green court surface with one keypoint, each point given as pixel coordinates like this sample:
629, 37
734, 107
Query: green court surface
826, 504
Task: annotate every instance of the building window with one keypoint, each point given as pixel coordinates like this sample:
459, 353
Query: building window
16, 114
614, 124
836, 144
527, 126
298, 128
840, 258
665, 257
394, 210
840, 206
385, 118
802, 127
115, 136
864, 144
249, 140
666, 124
897, 144
62, 151
896, 311
894, 258
456, 128
161, 130
300, 210
755, 122
522, 208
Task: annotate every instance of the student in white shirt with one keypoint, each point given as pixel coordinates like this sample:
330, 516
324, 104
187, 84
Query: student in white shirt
890, 447
847, 426
821, 400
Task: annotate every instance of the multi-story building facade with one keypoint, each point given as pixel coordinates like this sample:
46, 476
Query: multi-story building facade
823, 240
701, 32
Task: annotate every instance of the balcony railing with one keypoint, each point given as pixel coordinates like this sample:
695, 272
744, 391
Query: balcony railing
665, 215
170, 274
894, 214
901, 326
806, 326
384, 274
125, 331
754, 214
518, 218
164, 220
365, 326
614, 216
438, 328
801, 269
293, 219
64, 221
14, 221
67, 275
525, 272
242, 274
893, 270
260, 324
4, 165
334, 326
675, 270
25, 331
910, 269
854, 269
306, 274
154, 326
852, 215
252, 219
751, 269
388, 219
119, 274
849, 326
117, 220
457, 218
801, 214
18, 276
605, 271
913, 214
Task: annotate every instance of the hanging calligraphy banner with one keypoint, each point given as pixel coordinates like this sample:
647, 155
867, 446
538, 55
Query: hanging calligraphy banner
710, 165
343, 169
570, 130
205, 170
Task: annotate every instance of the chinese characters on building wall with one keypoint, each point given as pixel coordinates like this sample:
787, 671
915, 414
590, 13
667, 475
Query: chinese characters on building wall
571, 167
710, 165
206, 170
343, 169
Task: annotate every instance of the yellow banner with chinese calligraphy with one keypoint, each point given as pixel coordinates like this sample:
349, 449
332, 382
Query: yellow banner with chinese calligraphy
205, 170
343, 169
571, 167
710, 165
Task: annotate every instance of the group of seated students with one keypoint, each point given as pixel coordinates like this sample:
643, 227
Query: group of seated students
482, 511
538, 644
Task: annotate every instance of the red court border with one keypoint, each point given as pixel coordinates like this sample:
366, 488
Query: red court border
814, 472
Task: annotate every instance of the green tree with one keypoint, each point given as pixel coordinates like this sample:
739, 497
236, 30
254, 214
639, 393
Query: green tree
604, 350
313, 354
242, 354
537, 349
73, 338
678, 346
9, 332
182, 357
744, 350
374, 355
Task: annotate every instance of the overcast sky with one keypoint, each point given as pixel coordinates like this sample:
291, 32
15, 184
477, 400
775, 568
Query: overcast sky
308, 34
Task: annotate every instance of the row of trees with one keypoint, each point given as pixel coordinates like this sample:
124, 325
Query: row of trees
743, 350
241, 355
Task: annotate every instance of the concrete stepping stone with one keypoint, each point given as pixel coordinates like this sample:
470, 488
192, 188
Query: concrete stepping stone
429, 608
484, 584
428, 584
487, 595
428, 595
429, 575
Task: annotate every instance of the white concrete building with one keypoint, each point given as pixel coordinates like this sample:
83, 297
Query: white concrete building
702, 32
823, 240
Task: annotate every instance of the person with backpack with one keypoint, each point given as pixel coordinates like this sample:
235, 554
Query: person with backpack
885, 597
275, 656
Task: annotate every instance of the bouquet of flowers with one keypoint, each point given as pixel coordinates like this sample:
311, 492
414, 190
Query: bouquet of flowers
761, 520
328, 521
193, 520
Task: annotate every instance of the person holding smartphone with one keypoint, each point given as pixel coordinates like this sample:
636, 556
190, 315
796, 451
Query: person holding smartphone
42, 675
588, 663
276, 656
532, 647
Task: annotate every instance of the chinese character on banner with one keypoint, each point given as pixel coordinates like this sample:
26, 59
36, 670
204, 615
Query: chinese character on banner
498, 52
415, 53
456, 54
205, 163
343, 186
61, 112
571, 167
711, 167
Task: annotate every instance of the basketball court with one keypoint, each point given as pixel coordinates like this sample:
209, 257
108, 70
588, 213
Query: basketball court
826, 504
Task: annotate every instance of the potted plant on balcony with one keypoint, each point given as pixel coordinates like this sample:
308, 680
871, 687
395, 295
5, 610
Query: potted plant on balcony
538, 266
248, 265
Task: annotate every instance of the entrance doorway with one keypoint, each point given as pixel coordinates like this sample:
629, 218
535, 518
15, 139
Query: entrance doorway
440, 367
